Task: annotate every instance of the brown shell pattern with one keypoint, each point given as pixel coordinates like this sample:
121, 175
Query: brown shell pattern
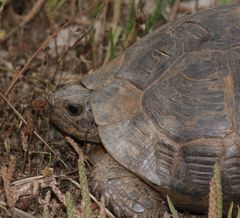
172, 107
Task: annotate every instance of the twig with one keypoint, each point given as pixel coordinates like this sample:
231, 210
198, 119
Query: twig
102, 213
61, 197
116, 12
86, 32
42, 47
109, 214
7, 175
15, 212
34, 131
174, 10
26, 19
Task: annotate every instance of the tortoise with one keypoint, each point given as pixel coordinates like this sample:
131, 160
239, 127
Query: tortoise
166, 111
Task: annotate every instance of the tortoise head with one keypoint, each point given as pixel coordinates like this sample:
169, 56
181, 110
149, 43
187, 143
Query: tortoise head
70, 112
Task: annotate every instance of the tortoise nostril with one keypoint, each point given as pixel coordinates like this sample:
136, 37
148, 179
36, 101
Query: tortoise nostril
74, 109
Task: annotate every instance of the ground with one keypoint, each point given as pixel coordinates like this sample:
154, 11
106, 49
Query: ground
45, 44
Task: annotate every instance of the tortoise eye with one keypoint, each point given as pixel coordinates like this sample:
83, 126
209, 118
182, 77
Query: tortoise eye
74, 109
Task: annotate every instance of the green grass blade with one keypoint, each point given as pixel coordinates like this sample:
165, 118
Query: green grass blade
238, 214
224, 2
130, 21
212, 205
152, 20
86, 201
172, 208
230, 211
112, 47
157, 14
97, 10
55, 4
116, 12
3, 3
217, 177
113, 38
69, 205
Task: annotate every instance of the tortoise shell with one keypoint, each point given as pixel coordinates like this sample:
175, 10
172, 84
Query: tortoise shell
169, 108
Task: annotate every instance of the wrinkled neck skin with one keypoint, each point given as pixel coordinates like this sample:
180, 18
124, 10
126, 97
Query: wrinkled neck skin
97, 153
71, 113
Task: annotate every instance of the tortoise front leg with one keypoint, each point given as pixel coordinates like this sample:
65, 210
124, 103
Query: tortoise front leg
124, 193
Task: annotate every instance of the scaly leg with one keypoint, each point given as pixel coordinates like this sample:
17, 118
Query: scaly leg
124, 193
